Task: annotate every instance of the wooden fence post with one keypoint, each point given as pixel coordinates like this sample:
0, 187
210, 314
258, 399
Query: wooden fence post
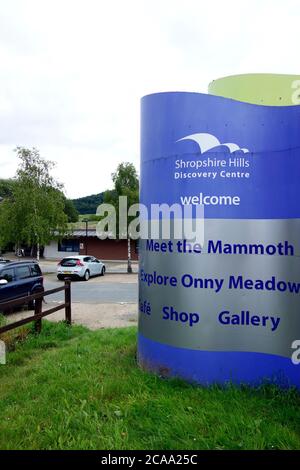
37, 311
68, 312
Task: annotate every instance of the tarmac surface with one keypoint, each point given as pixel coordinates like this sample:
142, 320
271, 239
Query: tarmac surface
109, 301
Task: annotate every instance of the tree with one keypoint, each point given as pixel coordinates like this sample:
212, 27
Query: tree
34, 212
125, 178
126, 183
6, 187
71, 211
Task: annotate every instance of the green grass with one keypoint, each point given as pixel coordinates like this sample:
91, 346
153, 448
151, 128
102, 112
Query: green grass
80, 225
71, 388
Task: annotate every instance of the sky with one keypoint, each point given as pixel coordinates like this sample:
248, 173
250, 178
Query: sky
72, 72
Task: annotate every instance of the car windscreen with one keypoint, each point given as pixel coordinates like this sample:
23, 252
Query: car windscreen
69, 262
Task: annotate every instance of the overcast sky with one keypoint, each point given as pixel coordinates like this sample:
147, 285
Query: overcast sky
72, 72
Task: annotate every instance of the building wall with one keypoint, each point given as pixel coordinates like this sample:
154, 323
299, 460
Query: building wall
103, 249
108, 249
51, 251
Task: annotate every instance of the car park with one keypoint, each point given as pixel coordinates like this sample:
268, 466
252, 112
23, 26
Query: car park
20, 279
81, 267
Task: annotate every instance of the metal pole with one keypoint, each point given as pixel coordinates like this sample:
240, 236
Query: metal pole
86, 236
129, 267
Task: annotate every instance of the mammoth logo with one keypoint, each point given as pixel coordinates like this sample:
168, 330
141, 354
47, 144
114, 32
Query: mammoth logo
208, 141
2, 352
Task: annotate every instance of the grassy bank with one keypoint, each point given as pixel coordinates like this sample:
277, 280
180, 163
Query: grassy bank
71, 388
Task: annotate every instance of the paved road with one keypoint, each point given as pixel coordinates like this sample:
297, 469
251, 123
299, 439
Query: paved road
49, 267
112, 288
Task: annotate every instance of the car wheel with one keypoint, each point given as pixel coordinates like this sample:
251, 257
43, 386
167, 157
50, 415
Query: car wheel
86, 275
60, 277
103, 271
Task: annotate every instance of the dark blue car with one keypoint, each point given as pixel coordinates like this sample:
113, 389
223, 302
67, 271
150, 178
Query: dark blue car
19, 279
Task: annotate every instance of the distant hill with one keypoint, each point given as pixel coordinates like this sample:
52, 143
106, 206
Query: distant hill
88, 204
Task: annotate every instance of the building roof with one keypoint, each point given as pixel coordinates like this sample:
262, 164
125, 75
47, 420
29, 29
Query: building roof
83, 233
78, 233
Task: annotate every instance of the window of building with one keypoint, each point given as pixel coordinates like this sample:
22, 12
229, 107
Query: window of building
69, 245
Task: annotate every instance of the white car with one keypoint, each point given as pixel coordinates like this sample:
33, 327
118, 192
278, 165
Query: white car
82, 267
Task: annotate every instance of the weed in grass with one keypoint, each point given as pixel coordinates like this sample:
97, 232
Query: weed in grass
13, 337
